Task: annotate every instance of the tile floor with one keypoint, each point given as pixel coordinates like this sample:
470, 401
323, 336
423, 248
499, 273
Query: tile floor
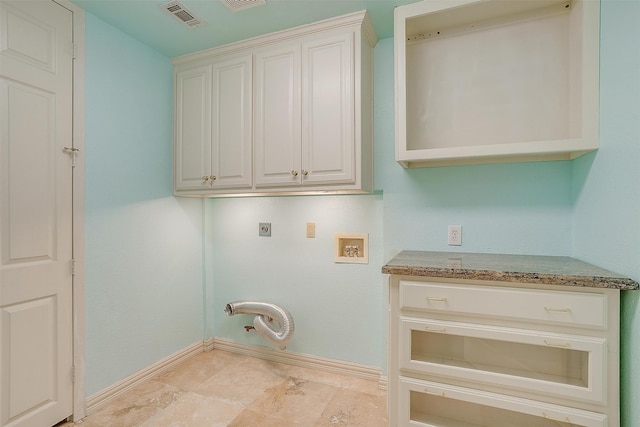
219, 388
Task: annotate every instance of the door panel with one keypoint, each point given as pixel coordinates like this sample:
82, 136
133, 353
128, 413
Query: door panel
36, 362
193, 128
30, 223
231, 123
328, 138
32, 380
277, 117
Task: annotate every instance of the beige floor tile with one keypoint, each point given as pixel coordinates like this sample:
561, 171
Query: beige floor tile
219, 388
337, 380
295, 400
136, 406
352, 408
241, 383
81, 423
197, 369
363, 386
194, 410
250, 418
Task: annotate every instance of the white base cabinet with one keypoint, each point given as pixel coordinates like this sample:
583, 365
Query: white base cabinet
286, 113
479, 353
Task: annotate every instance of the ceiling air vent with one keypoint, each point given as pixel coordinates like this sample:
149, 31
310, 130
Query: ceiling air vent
235, 5
182, 14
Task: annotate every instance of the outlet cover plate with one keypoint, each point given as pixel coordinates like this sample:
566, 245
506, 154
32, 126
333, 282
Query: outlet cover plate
454, 235
264, 229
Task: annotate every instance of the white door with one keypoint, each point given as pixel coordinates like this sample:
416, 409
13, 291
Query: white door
36, 352
277, 117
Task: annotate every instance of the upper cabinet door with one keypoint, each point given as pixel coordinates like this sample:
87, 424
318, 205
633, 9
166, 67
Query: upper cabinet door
289, 112
328, 115
277, 116
193, 128
231, 127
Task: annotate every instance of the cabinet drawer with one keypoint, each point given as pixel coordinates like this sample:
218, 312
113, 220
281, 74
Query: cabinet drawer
546, 363
579, 309
431, 404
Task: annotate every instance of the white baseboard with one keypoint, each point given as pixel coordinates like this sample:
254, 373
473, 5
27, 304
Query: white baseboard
382, 383
298, 359
110, 393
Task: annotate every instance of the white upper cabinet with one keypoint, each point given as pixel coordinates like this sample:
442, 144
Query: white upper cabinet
496, 81
286, 113
213, 125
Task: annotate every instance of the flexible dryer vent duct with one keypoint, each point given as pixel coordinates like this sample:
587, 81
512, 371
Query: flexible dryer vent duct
266, 312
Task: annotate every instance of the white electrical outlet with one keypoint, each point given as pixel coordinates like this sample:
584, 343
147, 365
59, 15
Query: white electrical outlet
455, 235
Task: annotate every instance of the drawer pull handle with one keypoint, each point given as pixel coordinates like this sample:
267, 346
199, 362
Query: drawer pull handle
440, 330
558, 310
561, 345
429, 299
562, 420
441, 394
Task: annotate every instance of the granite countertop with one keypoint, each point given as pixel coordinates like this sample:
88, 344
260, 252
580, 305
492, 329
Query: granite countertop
548, 270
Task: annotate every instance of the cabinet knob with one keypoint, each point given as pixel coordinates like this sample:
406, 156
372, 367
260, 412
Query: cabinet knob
205, 178
213, 177
294, 173
305, 173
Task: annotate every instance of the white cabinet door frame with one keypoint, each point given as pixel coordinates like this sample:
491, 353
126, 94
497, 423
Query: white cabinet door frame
277, 117
193, 128
328, 114
231, 126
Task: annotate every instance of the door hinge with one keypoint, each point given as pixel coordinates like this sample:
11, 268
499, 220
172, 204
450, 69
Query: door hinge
73, 267
73, 151
73, 374
74, 50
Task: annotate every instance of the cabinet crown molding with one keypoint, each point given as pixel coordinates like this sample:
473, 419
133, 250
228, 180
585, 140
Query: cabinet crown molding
355, 19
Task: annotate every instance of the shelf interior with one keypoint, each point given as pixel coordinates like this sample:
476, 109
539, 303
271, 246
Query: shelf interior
492, 73
546, 363
433, 410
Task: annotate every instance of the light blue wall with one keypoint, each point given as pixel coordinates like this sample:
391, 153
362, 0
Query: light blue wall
143, 247
607, 184
522, 208
337, 308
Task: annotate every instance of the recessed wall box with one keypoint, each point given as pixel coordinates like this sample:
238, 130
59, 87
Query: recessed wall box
352, 248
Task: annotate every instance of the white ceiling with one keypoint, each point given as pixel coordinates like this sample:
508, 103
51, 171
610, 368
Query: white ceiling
147, 22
